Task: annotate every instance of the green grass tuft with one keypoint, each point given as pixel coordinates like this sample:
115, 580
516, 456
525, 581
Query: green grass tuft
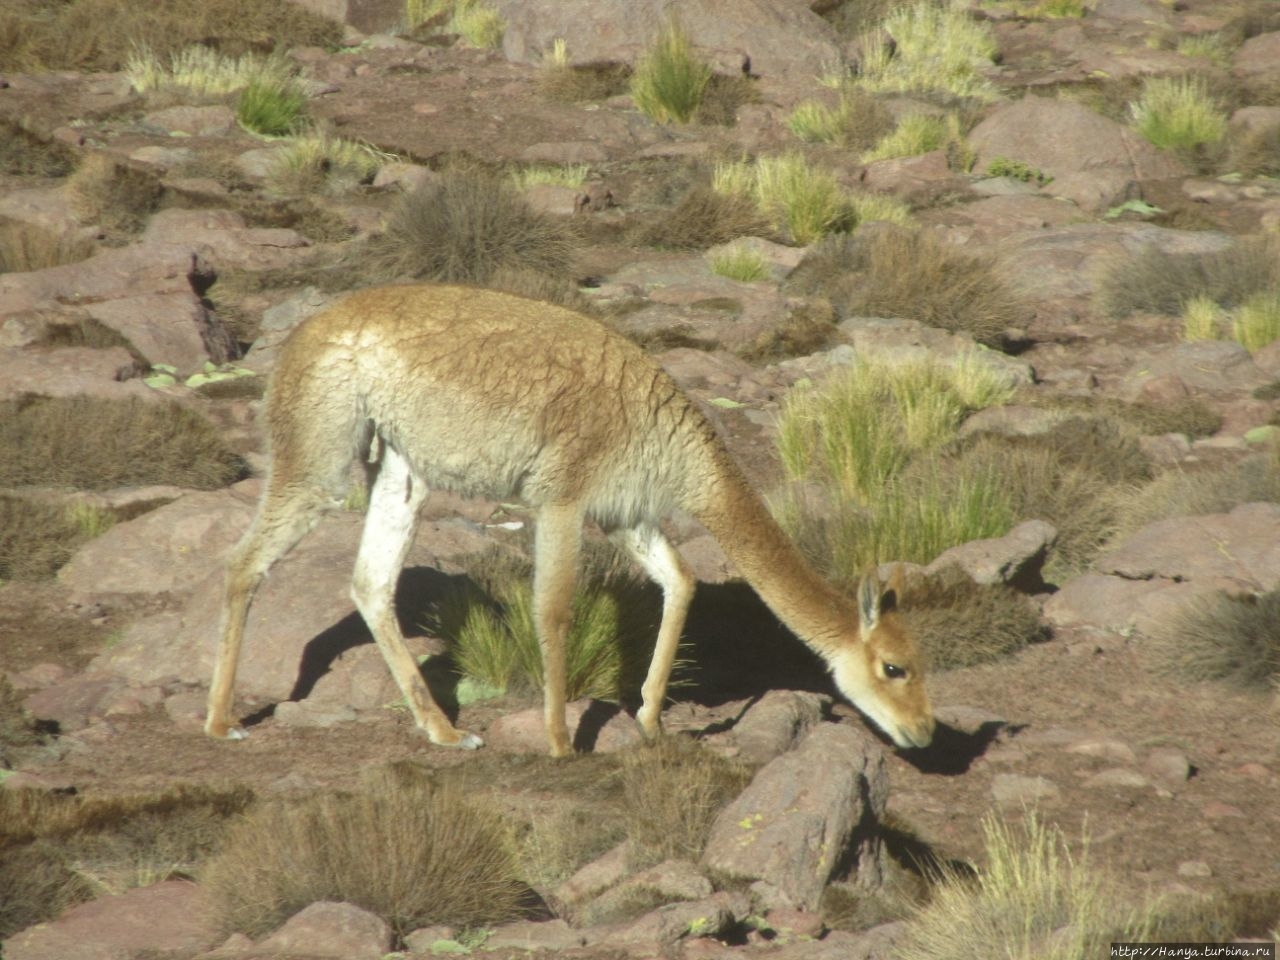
473, 20
738, 262
916, 134
669, 79
936, 47
317, 162
1178, 113
272, 108
1257, 321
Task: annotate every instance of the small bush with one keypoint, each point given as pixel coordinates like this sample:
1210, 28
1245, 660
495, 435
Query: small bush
463, 228
412, 853
1257, 321
560, 80
571, 175
473, 20
494, 641
1156, 281
918, 275
272, 108
805, 202
858, 120
61, 850
1033, 897
669, 79
1202, 319
935, 47
24, 154
100, 35
318, 162
113, 195
674, 788
916, 134
959, 623
1208, 46
24, 246
1177, 113
738, 262
1235, 639
202, 73
1017, 170
702, 218
98, 444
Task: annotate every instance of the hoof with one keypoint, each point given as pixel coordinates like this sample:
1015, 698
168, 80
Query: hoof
231, 733
469, 741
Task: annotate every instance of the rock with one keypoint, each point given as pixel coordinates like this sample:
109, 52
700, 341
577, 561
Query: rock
1194, 868
228, 240
1012, 790
776, 722
802, 814
657, 932
109, 374
1016, 558
1256, 63
338, 930
1093, 160
594, 726
309, 713
191, 121
772, 40
1168, 765
1112, 750
595, 877
1209, 366
1116, 604
1120, 777
75, 702
368, 16
173, 917
533, 936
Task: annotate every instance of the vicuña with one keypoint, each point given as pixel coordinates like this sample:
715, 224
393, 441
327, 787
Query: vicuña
489, 394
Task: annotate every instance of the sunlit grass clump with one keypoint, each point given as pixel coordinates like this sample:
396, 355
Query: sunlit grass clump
271, 107
936, 47
1178, 113
202, 72
670, 79
857, 119
860, 443
473, 20
916, 134
739, 262
569, 175
1253, 324
1034, 897
318, 159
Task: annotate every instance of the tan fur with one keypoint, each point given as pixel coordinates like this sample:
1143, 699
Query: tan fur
489, 394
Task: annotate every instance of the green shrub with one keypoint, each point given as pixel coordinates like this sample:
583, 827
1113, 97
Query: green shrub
913, 274
669, 79
858, 120
1178, 113
464, 228
1202, 319
738, 262
805, 202
317, 162
272, 108
935, 48
1257, 321
916, 134
412, 853
1017, 170
472, 20
493, 640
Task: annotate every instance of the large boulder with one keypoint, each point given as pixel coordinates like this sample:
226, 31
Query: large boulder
769, 39
1094, 161
806, 815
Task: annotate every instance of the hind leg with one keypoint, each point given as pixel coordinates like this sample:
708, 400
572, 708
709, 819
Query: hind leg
284, 517
389, 527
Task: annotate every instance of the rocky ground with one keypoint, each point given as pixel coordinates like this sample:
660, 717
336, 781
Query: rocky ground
1175, 782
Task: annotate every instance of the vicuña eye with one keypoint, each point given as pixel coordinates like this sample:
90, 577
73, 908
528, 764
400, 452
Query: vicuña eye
893, 671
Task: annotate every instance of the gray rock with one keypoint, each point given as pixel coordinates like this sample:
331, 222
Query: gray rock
606, 730
70, 372
798, 819
1016, 558
1011, 790
547, 935
775, 723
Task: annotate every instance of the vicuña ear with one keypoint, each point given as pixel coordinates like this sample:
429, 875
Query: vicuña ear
891, 596
869, 596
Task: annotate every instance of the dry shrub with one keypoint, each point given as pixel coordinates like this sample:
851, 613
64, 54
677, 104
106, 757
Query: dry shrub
116, 197
25, 246
808, 328
575, 84
892, 272
959, 623
35, 538
1254, 152
23, 154
701, 218
99, 35
723, 96
397, 846
1157, 281
464, 228
98, 444
59, 850
1220, 637
674, 789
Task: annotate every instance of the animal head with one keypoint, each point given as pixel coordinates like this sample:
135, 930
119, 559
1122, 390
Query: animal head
882, 671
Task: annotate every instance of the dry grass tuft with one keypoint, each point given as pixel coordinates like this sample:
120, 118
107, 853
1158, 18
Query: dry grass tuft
60, 850
116, 197
960, 623
1159, 282
98, 444
702, 218
1235, 639
674, 788
99, 35
413, 853
464, 228
36, 538
23, 154
24, 246
891, 272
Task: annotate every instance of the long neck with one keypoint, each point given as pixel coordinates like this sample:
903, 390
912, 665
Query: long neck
768, 560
